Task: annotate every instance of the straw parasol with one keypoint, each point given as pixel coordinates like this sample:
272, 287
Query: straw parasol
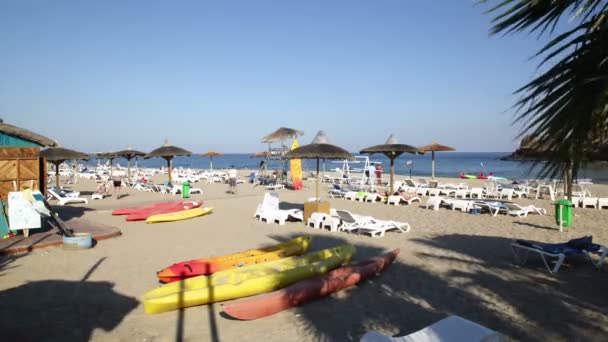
435, 147
167, 152
129, 154
57, 155
110, 156
319, 148
392, 150
210, 155
282, 134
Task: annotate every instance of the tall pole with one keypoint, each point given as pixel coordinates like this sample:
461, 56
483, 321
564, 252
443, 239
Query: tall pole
392, 175
169, 166
128, 167
433, 165
57, 174
317, 184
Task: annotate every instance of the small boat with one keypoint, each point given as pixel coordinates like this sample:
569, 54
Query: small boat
165, 209
244, 281
481, 175
179, 215
206, 266
308, 290
132, 210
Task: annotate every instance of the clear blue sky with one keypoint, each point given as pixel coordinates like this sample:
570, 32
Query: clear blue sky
219, 75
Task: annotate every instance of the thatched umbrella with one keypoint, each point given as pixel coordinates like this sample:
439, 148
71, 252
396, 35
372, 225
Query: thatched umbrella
57, 155
129, 154
282, 134
110, 156
435, 147
319, 148
210, 155
392, 150
167, 152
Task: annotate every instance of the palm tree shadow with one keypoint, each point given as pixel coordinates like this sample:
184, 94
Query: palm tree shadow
60, 310
522, 223
481, 284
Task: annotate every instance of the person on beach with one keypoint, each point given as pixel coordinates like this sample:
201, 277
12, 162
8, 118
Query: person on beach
370, 173
379, 174
232, 179
117, 182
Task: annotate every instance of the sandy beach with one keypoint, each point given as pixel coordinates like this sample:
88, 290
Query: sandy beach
451, 263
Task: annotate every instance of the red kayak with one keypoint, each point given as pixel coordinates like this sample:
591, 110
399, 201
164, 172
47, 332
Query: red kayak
165, 209
308, 290
132, 210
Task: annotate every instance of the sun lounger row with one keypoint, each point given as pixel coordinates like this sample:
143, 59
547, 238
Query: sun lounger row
494, 208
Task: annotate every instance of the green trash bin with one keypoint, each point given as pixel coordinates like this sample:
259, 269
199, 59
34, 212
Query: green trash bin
563, 213
186, 189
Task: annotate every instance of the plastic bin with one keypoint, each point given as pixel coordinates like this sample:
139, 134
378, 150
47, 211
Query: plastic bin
563, 213
186, 189
78, 241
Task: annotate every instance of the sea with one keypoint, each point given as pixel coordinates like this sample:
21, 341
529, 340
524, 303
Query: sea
447, 164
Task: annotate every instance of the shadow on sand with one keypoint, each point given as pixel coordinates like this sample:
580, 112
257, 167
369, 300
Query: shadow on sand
481, 284
59, 310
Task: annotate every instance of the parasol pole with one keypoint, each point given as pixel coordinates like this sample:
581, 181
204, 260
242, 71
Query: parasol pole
323, 169
111, 160
317, 184
57, 174
433, 165
392, 175
129, 167
169, 166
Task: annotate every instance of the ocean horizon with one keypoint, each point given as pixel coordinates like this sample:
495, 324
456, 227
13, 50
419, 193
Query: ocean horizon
447, 164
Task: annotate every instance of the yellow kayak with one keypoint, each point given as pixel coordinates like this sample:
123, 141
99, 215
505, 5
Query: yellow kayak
244, 281
179, 215
206, 266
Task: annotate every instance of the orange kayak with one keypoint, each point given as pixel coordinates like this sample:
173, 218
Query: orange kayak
206, 266
309, 289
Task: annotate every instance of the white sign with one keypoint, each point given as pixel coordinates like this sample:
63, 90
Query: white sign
21, 212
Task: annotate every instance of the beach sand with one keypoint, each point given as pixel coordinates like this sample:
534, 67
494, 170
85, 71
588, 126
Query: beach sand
451, 263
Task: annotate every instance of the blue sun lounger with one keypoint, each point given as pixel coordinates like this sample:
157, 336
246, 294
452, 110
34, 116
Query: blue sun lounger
559, 251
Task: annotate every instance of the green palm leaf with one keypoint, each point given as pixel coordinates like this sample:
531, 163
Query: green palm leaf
565, 108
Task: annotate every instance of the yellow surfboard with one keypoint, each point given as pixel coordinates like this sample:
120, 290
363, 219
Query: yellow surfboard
296, 168
180, 215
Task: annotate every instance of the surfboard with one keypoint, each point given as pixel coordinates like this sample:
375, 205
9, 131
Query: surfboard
296, 168
180, 215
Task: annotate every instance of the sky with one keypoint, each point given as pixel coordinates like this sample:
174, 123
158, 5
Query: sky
219, 75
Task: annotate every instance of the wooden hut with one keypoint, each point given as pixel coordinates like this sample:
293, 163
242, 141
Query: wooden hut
20, 164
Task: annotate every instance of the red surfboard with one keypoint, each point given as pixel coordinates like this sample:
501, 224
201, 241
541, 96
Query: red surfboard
308, 290
165, 209
132, 210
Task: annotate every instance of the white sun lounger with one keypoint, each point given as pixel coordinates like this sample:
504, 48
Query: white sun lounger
275, 186
63, 200
517, 210
269, 210
397, 199
451, 329
368, 224
556, 252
